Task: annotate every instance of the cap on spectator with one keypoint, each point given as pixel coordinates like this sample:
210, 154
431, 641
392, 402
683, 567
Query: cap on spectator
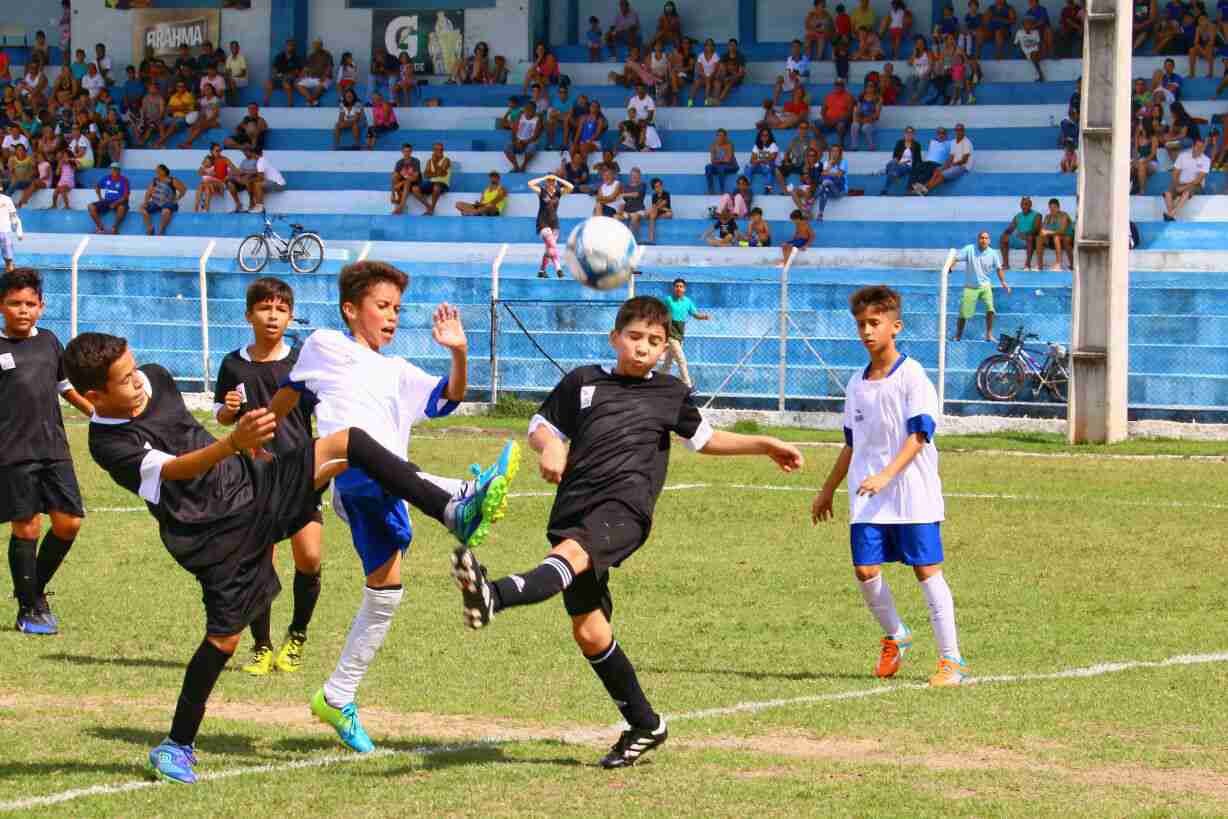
115, 166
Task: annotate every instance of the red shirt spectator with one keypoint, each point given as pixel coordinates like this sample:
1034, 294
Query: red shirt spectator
838, 104
844, 23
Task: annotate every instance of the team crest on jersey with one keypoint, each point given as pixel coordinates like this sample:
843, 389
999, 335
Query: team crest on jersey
858, 416
586, 396
7, 362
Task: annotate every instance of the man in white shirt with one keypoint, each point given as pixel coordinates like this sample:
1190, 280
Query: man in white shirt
797, 68
641, 110
959, 163
9, 221
1028, 40
93, 82
12, 139
1189, 171
81, 149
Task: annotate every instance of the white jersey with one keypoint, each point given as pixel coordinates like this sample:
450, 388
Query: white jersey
878, 418
9, 220
358, 387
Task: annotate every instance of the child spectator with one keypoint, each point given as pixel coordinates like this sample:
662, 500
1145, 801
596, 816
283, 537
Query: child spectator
1070, 158
383, 119
724, 231
707, 74
757, 232
797, 71
661, 208
65, 179
508, 121
403, 89
803, 235
592, 38
869, 47
898, 22
632, 208
347, 73
865, 117
840, 55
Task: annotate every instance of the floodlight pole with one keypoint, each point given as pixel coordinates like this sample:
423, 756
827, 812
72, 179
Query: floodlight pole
1099, 337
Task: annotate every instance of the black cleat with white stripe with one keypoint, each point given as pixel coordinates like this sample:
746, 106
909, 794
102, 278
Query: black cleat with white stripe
633, 744
477, 596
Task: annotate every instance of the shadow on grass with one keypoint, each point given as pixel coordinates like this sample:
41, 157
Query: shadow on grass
207, 742
801, 676
126, 662
16, 770
435, 754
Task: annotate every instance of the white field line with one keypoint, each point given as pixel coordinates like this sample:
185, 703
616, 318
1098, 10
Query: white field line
1097, 670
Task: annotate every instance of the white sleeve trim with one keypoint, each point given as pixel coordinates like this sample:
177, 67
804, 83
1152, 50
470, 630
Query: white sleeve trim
539, 421
151, 474
64, 386
703, 434
217, 410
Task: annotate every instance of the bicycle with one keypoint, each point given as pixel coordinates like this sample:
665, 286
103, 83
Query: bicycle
304, 249
1002, 376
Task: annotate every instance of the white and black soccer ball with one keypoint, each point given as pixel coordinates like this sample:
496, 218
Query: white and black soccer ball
601, 253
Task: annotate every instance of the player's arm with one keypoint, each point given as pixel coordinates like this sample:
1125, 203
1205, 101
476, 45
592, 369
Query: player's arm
546, 441
821, 507
253, 429
77, 400
720, 442
283, 403
876, 483
1002, 278
449, 333
552, 426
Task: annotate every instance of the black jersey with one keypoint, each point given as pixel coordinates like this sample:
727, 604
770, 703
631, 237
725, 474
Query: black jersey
258, 382
619, 429
134, 451
31, 377
548, 208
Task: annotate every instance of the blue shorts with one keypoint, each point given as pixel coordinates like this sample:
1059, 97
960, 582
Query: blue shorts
954, 172
913, 544
379, 522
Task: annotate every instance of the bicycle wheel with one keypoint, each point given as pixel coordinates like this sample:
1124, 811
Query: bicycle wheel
253, 253
1003, 378
1058, 382
306, 253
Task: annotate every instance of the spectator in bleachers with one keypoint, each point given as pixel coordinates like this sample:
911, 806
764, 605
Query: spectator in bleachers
92, 83
763, 158
758, 233
607, 161
707, 74
384, 72
1182, 130
624, 29
641, 113
287, 66
662, 75
540, 97
818, 29
514, 106
592, 129
803, 235
865, 117
575, 170
1144, 161
352, 117
840, 51
661, 207
837, 111
208, 116
33, 85
81, 148
1172, 81
632, 208
213, 79
161, 197
499, 72
797, 71
796, 111
78, 67
235, 71
550, 189
1039, 16
1069, 38
12, 139
608, 194
634, 70
215, 171
1000, 19
833, 183
960, 162
1070, 158
527, 131
1029, 41
940, 75
41, 180
251, 130
896, 26
739, 202
919, 77
65, 178
181, 104
492, 202
904, 157
1203, 46
185, 67
733, 70
724, 231
406, 82
410, 183
258, 177
438, 175
317, 75
723, 162
593, 39
19, 167
407, 167
806, 191
6, 75
347, 73
64, 83
1057, 229
1168, 27
669, 28
560, 115
112, 138
572, 116
863, 16
959, 90
1189, 172
1068, 128
153, 69
1024, 229
132, 92
793, 160
383, 120
544, 69
40, 50
937, 157
869, 47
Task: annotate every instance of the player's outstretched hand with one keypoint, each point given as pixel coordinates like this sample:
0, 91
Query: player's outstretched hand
233, 401
254, 429
553, 461
447, 328
820, 509
787, 457
873, 484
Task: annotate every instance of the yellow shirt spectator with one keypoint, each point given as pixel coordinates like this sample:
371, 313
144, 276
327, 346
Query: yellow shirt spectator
182, 103
490, 194
863, 15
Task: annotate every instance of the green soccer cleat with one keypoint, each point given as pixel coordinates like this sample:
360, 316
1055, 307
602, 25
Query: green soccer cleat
290, 656
344, 721
507, 465
261, 663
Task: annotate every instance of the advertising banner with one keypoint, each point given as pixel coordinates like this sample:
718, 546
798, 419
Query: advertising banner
168, 29
434, 40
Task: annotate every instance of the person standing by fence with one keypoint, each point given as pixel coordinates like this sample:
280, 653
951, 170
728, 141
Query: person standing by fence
980, 260
681, 308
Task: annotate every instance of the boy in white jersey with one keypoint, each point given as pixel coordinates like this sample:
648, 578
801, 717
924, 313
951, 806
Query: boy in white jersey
897, 507
9, 222
356, 385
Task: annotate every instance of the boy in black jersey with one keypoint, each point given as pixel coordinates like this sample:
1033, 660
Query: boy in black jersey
618, 424
249, 377
218, 514
36, 473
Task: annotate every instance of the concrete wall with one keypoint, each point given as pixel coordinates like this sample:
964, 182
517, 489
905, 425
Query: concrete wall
717, 19
93, 23
36, 15
783, 20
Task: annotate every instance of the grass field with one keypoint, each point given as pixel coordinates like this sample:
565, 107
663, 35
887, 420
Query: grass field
1058, 564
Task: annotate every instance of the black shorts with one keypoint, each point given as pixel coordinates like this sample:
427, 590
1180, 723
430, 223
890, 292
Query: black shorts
34, 487
236, 590
610, 533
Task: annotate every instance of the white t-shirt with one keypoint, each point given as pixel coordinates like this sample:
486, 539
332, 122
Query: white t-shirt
763, 153
961, 148
525, 127
358, 387
800, 65
707, 67
351, 111
1188, 167
897, 18
879, 416
1028, 41
94, 84
82, 142
10, 143
921, 65
271, 174
641, 108
9, 220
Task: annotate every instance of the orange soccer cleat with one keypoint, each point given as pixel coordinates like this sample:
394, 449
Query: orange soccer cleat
894, 649
951, 672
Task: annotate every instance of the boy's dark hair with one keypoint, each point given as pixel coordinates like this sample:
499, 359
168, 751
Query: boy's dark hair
358, 278
756, 210
1055, 202
269, 287
642, 308
878, 297
20, 279
88, 359
593, 20
679, 280
797, 214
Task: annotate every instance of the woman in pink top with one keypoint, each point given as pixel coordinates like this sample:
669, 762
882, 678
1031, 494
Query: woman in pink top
67, 179
545, 68
383, 119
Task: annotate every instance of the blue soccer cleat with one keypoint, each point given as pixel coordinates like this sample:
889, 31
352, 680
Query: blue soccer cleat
31, 621
507, 465
344, 721
172, 762
487, 503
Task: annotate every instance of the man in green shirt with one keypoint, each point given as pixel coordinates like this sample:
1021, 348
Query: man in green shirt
1023, 231
681, 308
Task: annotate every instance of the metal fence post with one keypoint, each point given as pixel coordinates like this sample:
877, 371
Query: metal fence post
204, 314
494, 324
784, 330
944, 279
73, 286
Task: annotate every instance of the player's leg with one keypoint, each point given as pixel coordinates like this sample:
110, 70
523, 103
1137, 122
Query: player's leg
23, 567
675, 347
986, 295
921, 545
65, 525
482, 598
261, 628
306, 546
174, 759
873, 545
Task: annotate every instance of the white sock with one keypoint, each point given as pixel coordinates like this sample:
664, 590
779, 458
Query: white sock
367, 634
878, 599
453, 486
942, 614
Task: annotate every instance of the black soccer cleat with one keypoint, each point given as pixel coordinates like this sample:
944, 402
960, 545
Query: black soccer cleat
633, 744
477, 596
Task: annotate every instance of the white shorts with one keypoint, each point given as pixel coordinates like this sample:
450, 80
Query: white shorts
6, 246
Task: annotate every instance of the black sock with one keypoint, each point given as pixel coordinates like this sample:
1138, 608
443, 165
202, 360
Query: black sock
397, 476
549, 578
24, 569
262, 628
618, 676
306, 593
203, 670
50, 555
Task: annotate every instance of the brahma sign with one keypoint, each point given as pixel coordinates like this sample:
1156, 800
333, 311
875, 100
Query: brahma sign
166, 30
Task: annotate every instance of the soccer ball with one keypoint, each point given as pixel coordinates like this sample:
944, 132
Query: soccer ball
601, 253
